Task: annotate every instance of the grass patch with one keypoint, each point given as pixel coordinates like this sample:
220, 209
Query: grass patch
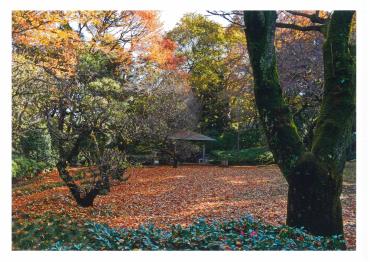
249, 156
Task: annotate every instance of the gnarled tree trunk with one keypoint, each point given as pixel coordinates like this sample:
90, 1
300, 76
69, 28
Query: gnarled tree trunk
314, 177
84, 198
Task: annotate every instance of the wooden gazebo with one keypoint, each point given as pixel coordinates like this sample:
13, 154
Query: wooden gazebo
191, 136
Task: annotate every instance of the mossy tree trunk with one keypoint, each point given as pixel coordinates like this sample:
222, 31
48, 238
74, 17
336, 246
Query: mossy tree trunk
314, 177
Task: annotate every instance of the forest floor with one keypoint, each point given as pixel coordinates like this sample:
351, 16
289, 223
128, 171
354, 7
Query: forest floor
164, 195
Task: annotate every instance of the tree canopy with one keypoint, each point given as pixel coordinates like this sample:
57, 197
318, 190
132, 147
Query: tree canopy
98, 90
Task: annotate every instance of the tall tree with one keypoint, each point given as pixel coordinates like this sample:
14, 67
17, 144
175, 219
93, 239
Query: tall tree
79, 63
202, 43
314, 176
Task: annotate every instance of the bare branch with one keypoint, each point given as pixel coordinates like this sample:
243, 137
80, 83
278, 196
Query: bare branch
318, 28
314, 18
228, 16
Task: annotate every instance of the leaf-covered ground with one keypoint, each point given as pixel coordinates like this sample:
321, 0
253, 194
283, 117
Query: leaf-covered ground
164, 196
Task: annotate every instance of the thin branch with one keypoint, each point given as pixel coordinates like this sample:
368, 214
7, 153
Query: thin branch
318, 28
30, 28
227, 16
314, 18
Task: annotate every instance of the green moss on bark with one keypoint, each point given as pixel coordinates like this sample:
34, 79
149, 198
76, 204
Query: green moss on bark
315, 181
337, 111
314, 198
274, 113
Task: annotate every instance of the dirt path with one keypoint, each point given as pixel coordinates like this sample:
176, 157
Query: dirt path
164, 196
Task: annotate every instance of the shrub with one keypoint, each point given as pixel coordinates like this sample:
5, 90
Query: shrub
23, 167
251, 156
36, 144
61, 233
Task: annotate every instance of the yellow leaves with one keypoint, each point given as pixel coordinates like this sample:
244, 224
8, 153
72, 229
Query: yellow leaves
108, 38
62, 35
324, 14
55, 38
50, 45
235, 35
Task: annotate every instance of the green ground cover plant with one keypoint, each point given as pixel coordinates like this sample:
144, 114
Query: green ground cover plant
51, 232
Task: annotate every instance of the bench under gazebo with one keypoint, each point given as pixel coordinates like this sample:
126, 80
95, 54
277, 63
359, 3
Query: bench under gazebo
186, 135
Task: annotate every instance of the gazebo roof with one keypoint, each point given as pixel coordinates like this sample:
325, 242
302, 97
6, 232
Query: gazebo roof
190, 135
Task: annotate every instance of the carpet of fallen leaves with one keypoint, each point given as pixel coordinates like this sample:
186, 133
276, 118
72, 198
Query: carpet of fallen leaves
164, 195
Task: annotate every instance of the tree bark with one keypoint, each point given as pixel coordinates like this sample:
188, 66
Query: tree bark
105, 181
83, 198
313, 198
337, 113
277, 122
315, 177
314, 195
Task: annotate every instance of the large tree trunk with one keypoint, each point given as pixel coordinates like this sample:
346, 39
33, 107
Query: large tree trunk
281, 132
313, 198
314, 178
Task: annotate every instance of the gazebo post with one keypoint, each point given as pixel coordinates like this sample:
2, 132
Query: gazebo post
204, 153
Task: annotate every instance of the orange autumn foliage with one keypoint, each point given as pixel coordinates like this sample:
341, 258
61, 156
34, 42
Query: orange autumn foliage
54, 39
162, 52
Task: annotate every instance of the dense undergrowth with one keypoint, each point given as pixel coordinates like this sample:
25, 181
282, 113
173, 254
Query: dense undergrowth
51, 232
26, 168
248, 156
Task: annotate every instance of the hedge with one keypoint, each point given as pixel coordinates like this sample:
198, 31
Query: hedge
249, 156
